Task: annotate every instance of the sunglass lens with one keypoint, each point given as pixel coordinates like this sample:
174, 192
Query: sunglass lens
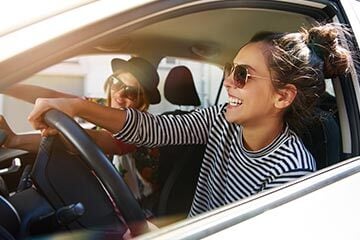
116, 84
240, 76
130, 93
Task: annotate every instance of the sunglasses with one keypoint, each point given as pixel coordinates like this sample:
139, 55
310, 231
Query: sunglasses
128, 92
241, 74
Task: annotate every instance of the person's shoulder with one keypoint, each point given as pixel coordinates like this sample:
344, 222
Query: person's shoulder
292, 143
292, 139
215, 109
298, 151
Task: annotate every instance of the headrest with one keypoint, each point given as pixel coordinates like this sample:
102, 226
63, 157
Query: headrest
179, 88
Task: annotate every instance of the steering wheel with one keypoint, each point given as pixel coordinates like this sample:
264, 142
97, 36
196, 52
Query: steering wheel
94, 157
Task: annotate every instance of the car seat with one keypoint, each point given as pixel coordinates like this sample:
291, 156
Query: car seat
322, 135
179, 88
9, 220
179, 164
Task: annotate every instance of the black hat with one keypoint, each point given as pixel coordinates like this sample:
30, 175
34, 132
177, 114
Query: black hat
144, 72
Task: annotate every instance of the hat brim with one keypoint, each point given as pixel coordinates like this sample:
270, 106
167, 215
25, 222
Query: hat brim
153, 95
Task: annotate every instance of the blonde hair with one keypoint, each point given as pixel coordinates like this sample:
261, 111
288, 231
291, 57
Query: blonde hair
142, 100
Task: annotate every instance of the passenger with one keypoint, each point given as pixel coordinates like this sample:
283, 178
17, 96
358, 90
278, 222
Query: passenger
132, 85
272, 84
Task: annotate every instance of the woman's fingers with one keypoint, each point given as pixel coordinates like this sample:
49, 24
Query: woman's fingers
48, 132
36, 117
42, 105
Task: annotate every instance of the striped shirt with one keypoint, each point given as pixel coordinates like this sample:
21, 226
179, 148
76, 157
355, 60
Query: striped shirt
229, 172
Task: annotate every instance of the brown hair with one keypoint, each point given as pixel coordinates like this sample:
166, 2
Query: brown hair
305, 59
142, 101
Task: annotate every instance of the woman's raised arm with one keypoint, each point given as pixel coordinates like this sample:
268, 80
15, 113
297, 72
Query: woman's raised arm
29, 93
106, 117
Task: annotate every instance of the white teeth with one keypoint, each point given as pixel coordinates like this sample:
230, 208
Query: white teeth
234, 101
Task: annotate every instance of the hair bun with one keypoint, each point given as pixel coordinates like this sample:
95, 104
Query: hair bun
324, 42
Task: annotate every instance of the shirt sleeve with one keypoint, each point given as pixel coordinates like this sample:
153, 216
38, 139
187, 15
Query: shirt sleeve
285, 178
155, 130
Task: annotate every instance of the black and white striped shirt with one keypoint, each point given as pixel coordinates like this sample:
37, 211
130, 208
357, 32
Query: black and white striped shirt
229, 172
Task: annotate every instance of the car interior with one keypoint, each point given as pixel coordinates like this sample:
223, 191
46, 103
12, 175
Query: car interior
55, 191
179, 164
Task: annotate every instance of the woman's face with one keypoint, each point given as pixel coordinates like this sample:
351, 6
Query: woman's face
253, 104
124, 91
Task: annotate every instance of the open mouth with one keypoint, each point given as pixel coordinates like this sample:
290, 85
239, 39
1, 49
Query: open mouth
234, 102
